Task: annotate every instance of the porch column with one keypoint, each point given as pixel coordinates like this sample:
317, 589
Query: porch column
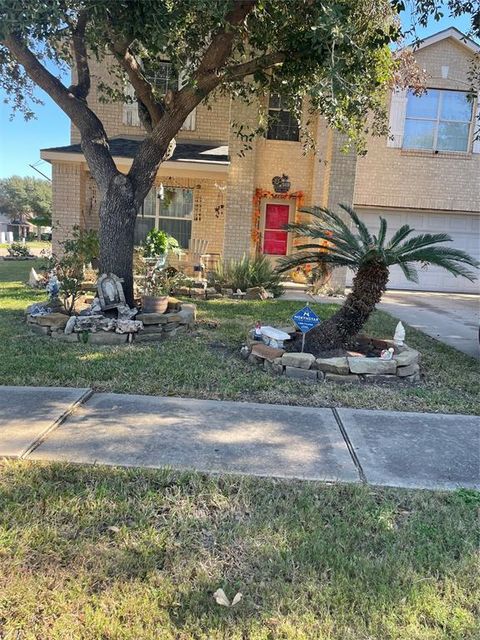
68, 200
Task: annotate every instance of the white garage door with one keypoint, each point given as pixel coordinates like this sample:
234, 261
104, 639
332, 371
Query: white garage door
463, 229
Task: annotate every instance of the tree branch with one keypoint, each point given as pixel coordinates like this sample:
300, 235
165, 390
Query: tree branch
266, 61
143, 88
94, 138
82, 88
221, 46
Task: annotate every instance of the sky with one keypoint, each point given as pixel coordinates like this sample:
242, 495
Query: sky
21, 141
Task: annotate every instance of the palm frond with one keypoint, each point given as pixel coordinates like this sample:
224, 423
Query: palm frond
422, 240
309, 257
336, 224
409, 271
399, 235
381, 233
364, 233
452, 260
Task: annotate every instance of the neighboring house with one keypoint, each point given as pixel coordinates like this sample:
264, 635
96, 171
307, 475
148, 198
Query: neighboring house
427, 174
13, 229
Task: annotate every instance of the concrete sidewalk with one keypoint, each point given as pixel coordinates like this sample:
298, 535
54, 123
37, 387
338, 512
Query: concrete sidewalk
380, 447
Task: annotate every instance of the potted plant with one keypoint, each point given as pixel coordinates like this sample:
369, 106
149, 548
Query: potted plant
157, 245
157, 286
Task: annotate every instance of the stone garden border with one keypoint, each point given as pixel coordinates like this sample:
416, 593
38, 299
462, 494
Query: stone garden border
404, 366
151, 327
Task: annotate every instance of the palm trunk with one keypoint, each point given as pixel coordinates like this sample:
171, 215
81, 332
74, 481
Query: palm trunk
368, 286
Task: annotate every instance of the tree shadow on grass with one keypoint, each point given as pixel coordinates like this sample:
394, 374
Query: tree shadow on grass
144, 551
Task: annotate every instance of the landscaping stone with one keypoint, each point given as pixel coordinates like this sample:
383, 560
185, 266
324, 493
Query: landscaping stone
272, 368
268, 353
106, 338
371, 365
153, 318
256, 293
253, 359
380, 377
410, 370
333, 365
42, 331
53, 320
320, 376
335, 377
64, 337
406, 357
301, 374
298, 360
152, 328
170, 326
149, 337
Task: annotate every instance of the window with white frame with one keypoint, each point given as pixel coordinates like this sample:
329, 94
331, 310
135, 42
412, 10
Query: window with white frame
170, 211
438, 120
162, 77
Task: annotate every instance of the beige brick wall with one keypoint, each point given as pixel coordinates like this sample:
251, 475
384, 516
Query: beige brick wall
212, 122
391, 177
68, 198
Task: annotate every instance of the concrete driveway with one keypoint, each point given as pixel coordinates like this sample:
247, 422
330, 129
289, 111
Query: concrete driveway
452, 318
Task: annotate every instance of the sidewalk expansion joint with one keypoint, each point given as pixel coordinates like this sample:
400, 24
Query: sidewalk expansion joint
350, 447
60, 420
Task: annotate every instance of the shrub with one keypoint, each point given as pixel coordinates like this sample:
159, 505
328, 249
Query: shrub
18, 250
247, 272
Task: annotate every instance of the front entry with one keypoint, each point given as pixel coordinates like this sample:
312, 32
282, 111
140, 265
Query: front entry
275, 237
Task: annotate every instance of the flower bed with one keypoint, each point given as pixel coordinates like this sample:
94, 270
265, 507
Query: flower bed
353, 366
103, 329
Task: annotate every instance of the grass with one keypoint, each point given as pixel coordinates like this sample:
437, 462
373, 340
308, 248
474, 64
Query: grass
207, 365
103, 553
32, 244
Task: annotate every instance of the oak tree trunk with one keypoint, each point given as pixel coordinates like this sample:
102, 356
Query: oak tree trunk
369, 284
118, 211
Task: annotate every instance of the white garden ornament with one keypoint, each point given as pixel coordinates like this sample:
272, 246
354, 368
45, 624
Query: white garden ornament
399, 335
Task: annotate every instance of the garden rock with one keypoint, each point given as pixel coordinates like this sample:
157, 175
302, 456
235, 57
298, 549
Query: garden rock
53, 320
371, 365
333, 365
301, 374
256, 293
268, 353
148, 337
410, 370
107, 338
298, 360
153, 318
335, 377
406, 357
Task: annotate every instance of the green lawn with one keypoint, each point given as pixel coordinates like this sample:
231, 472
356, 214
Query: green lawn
32, 244
93, 553
207, 364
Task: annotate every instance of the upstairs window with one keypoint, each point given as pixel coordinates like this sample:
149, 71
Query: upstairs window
282, 123
438, 120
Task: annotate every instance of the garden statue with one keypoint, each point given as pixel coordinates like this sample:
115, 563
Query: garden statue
399, 335
387, 354
53, 287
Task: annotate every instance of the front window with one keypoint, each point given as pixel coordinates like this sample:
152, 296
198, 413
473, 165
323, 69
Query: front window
438, 120
172, 213
282, 124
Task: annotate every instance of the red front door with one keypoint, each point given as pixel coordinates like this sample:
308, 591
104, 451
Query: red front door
274, 236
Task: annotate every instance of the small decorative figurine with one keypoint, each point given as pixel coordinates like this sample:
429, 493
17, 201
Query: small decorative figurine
53, 287
258, 330
387, 354
399, 335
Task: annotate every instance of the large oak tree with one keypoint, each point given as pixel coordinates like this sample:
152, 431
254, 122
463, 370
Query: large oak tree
335, 53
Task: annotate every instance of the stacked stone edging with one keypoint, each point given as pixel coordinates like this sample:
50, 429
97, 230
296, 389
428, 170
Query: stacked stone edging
151, 327
404, 366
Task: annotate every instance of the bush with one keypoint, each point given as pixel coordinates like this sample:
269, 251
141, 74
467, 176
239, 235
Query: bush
247, 272
158, 243
18, 250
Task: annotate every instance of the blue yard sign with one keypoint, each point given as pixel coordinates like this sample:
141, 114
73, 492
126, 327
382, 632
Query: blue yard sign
306, 319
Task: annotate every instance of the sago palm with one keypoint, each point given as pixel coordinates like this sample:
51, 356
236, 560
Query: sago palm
369, 256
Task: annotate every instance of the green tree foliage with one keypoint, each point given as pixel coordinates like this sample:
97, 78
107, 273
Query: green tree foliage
27, 198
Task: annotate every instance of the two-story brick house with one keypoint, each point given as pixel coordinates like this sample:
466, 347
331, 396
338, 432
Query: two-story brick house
427, 174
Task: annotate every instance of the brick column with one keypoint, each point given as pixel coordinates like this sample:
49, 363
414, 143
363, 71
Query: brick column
240, 186
68, 200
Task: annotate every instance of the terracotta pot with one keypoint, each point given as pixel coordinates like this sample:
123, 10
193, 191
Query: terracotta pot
154, 304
